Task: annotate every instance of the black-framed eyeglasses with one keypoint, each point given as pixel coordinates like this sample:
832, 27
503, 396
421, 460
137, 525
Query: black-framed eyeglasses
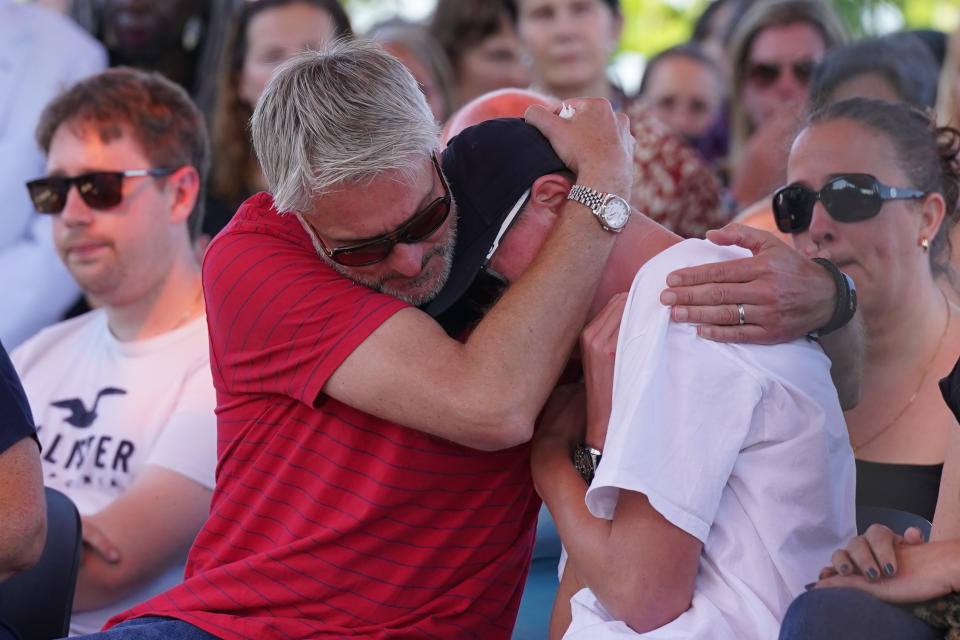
766, 74
849, 197
99, 189
418, 227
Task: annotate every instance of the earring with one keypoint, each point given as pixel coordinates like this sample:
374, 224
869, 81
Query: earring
924, 244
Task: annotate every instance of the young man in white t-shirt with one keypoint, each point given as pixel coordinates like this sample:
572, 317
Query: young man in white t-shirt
726, 471
122, 396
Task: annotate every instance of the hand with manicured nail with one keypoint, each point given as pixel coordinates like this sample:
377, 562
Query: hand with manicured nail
919, 572
872, 554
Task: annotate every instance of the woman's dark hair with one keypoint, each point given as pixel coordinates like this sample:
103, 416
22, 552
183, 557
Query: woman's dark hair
459, 25
901, 59
231, 140
690, 50
926, 153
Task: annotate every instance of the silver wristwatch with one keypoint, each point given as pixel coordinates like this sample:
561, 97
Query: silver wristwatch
585, 460
611, 210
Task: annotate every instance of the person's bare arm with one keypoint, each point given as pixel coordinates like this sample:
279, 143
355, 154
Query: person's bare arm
640, 567
846, 348
23, 510
560, 616
946, 518
784, 296
762, 165
151, 527
487, 392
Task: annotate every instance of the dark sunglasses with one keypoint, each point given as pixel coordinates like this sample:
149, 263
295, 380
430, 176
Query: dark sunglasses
850, 197
99, 189
766, 74
420, 226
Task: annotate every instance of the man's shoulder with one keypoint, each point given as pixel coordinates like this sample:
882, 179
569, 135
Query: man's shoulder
692, 252
257, 214
651, 278
645, 305
257, 229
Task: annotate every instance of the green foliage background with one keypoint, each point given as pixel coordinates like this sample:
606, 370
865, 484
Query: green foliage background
653, 25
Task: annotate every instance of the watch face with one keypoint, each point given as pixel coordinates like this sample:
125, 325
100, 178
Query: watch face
616, 212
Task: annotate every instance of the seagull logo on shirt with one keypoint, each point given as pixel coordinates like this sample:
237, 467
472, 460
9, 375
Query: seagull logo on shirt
79, 416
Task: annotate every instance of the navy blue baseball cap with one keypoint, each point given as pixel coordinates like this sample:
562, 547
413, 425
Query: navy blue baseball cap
489, 166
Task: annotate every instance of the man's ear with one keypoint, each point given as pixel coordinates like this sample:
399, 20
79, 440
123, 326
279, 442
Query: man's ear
184, 187
549, 192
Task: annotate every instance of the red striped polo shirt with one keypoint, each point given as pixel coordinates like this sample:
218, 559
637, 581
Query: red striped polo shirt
327, 522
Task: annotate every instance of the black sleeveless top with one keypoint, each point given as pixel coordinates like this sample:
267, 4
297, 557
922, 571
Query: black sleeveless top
908, 487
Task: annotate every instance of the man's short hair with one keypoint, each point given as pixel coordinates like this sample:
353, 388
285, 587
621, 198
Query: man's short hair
339, 116
158, 114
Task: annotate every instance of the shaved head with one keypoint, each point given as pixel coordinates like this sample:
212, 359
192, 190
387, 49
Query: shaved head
503, 103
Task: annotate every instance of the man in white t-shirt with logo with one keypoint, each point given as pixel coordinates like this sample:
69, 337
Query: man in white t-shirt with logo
726, 471
122, 396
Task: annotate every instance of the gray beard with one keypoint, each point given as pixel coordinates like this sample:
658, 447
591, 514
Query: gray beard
446, 255
445, 251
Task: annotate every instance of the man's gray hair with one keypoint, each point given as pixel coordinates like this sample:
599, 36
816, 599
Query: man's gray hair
339, 116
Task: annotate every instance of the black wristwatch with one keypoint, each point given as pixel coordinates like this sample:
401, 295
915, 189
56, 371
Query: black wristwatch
585, 460
846, 300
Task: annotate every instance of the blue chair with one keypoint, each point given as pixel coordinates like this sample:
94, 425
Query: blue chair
533, 617
897, 520
36, 604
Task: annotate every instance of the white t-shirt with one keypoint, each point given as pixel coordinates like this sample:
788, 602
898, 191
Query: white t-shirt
743, 447
106, 409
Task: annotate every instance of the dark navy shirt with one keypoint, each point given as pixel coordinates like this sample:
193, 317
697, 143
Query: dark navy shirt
16, 421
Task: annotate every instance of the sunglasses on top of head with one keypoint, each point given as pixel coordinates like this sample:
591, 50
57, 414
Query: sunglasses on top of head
417, 228
766, 74
849, 197
99, 189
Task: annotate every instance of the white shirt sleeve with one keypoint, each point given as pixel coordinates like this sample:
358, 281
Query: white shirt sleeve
188, 442
682, 409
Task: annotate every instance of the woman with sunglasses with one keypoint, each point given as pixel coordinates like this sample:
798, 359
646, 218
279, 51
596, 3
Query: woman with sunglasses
773, 52
873, 185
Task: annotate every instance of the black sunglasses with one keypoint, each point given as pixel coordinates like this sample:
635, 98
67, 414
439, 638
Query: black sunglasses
99, 189
420, 226
765, 74
850, 197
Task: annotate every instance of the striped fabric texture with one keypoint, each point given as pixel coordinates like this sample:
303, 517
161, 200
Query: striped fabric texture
327, 522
